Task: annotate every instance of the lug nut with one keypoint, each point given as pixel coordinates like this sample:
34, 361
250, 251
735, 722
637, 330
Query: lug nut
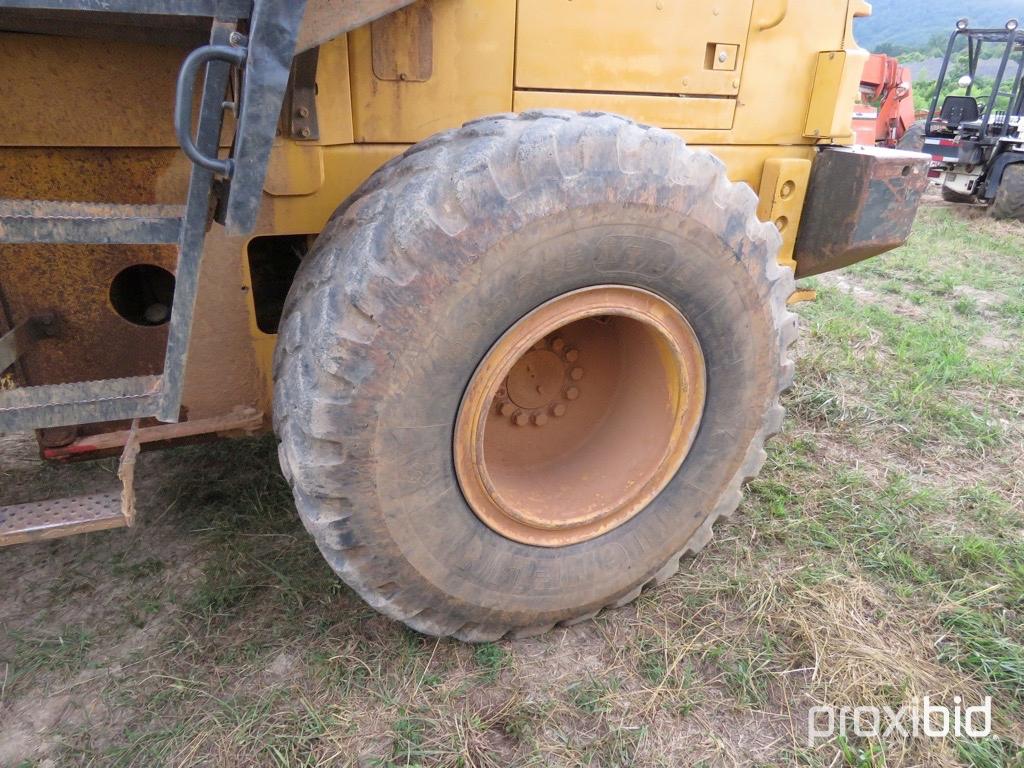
521, 419
540, 419
558, 345
572, 355
507, 409
559, 410
576, 374
572, 393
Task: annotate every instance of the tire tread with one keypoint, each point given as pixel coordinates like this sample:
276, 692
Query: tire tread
520, 150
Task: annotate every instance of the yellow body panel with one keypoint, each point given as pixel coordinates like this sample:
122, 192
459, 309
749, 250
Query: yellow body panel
473, 58
822, 119
631, 46
334, 94
749, 80
783, 191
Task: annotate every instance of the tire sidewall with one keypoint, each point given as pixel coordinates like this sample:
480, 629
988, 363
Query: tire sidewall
416, 493
1009, 199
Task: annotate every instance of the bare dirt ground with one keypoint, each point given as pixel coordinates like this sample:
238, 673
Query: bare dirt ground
879, 557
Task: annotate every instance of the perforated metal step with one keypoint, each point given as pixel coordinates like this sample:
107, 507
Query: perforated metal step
48, 221
56, 518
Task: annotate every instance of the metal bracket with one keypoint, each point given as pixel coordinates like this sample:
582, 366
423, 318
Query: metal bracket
24, 336
300, 99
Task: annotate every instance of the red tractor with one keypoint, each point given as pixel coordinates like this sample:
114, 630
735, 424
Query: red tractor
885, 113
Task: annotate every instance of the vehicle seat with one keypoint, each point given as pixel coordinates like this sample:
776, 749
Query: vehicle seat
959, 109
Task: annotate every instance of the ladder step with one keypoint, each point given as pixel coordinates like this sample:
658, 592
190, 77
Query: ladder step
86, 402
56, 518
46, 221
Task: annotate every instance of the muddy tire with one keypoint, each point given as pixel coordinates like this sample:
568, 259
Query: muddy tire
418, 274
956, 197
913, 139
1009, 202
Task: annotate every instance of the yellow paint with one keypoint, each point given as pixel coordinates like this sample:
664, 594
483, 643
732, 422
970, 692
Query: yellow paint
828, 81
778, 73
663, 111
659, 61
724, 57
782, 194
334, 94
746, 164
800, 297
294, 169
473, 54
630, 46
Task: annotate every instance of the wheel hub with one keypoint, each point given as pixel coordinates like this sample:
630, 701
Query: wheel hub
541, 384
579, 415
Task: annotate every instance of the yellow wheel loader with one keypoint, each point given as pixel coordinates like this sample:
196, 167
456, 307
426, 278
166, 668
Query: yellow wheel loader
507, 278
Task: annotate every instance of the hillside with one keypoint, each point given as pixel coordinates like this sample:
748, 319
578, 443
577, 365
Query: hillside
913, 22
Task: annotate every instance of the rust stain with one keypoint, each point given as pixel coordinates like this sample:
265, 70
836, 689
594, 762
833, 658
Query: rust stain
861, 202
73, 281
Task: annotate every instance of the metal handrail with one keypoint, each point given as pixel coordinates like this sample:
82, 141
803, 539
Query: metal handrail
186, 95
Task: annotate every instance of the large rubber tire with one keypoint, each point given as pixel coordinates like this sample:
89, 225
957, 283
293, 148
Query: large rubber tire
913, 139
1009, 202
956, 197
417, 275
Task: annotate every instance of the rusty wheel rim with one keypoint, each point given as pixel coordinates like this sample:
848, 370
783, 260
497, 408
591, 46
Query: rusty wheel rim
579, 415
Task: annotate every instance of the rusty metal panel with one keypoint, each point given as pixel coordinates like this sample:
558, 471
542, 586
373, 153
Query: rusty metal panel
24, 336
327, 19
403, 44
861, 202
73, 281
98, 93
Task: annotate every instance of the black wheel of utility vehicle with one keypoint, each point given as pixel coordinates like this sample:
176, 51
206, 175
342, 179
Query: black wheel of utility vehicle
913, 139
950, 196
1009, 201
526, 366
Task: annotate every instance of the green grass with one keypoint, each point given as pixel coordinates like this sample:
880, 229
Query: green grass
593, 696
491, 658
979, 644
60, 653
990, 753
